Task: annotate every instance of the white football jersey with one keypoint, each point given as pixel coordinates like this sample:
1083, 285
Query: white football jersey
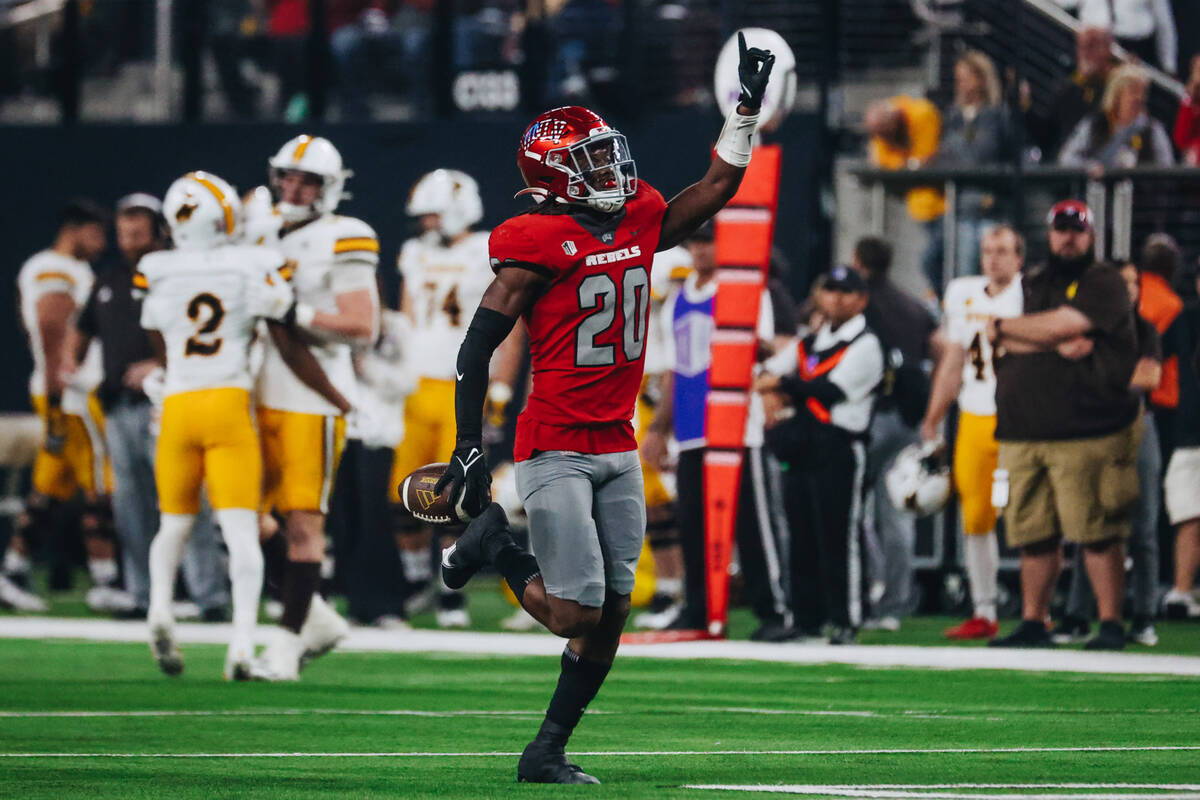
442, 290
47, 273
332, 255
206, 303
670, 267
968, 306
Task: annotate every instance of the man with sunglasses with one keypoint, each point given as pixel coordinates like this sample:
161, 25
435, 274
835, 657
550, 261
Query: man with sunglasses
1068, 427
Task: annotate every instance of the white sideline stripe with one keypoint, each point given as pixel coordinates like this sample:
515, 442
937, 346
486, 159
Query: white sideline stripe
886, 794
640, 753
539, 644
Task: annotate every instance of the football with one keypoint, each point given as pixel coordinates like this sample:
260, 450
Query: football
416, 492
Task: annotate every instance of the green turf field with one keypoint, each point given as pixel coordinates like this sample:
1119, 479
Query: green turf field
657, 727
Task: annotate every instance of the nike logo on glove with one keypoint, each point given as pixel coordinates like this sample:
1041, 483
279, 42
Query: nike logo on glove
472, 457
459, 374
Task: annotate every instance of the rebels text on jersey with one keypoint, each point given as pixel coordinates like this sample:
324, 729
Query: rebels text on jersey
587, 330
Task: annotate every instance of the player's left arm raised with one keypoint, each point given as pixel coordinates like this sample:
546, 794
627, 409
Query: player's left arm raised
700, 201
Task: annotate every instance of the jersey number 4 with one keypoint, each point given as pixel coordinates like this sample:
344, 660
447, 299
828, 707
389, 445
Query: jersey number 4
600, 292
206, 309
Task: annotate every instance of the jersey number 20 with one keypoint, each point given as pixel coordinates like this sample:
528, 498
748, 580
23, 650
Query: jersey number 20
599, 292
207, 309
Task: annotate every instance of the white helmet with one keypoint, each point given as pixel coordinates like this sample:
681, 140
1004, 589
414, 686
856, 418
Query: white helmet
919, 480
315, 155
202, 211
452, 195
262, 219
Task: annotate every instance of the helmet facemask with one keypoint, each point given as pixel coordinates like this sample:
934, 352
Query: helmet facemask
601, 169
293, 213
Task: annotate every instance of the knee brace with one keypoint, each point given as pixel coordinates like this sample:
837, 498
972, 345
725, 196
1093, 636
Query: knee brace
1043, 547
97, 519
662, 530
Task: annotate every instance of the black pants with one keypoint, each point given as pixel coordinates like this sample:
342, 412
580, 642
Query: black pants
368, 565
761, 544
824, 514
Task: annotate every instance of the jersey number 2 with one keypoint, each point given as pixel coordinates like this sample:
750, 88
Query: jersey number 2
599, 292
200, 344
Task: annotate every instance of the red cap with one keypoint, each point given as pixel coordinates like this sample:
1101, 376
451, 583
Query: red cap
1070, 214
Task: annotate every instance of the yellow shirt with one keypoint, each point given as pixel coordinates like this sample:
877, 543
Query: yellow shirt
924, 130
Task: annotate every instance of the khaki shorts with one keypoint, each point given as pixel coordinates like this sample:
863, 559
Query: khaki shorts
1081, 489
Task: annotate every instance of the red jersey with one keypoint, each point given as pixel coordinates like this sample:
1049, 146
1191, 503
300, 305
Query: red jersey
587, 330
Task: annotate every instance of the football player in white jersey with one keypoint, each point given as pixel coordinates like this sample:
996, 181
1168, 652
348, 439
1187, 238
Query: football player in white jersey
302, 433
53, 286
445, 271
966, 373
203, 301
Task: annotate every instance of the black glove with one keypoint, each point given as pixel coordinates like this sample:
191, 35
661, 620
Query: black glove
469, 480
754, 68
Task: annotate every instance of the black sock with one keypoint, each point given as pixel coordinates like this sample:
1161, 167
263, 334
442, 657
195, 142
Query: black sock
300, 582
578, 683
518, 568
274, 565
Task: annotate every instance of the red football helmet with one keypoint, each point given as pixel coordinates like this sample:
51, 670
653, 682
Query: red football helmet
571, 154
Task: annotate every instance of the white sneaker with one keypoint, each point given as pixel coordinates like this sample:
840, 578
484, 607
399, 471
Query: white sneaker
1180, 605
453, 618
323, 628
657, 621
890, 624
391, 622
163, 648
279, 660
109, 600
14, 596
521, 620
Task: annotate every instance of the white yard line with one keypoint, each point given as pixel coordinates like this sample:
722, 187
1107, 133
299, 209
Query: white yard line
517, 644
268, 712
640, 753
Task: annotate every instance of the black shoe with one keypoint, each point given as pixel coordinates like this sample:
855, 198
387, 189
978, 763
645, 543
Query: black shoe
773, 632
843, 635
1111, 636
1070, 629
543, 761
473, 549
1027, 634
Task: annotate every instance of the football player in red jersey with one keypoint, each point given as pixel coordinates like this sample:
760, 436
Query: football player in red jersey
577, 268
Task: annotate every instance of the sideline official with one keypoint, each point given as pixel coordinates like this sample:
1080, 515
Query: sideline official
819, 396
1068, 426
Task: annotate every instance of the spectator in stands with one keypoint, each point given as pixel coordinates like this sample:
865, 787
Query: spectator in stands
905, 132
1160, 304
1123, 134
112, 316
1183, 470
1143, 536
1187, 122
819, 396
1146, 28
977, 131
687, 317
1068, 428
909, 336
1077, 96
372, 41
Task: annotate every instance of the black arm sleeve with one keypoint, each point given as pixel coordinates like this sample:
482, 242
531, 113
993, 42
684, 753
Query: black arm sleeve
487, 331
822, 389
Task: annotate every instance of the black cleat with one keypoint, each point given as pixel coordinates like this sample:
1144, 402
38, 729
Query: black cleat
1070, 630
1111, 636
544, 762
1027, 634
466, 556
